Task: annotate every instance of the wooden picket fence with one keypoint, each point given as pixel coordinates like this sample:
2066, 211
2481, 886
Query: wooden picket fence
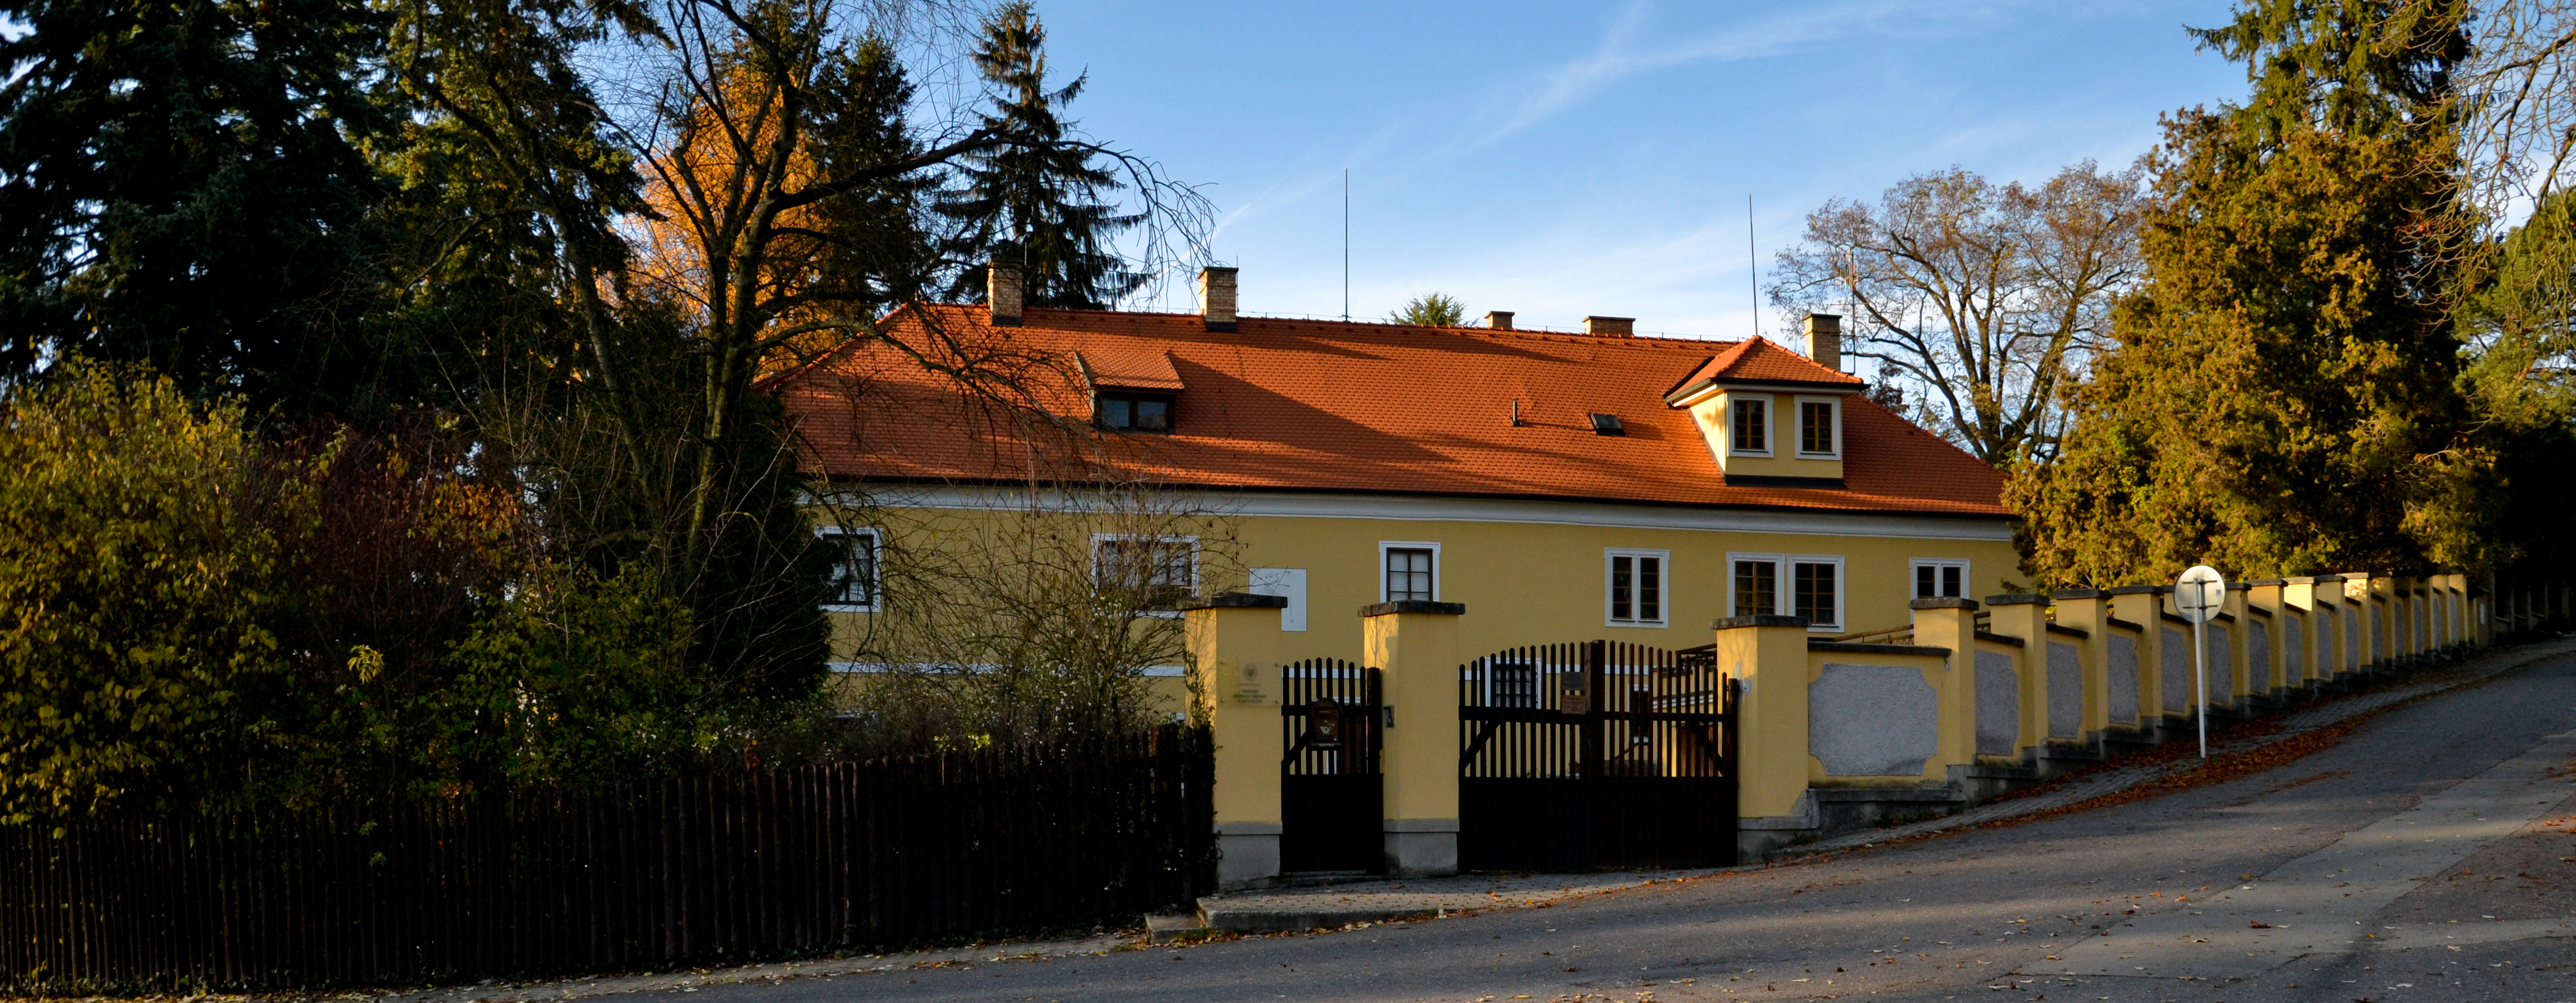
726, 868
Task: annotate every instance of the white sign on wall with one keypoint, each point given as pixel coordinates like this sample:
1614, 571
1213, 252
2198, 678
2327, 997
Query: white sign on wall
1288, 583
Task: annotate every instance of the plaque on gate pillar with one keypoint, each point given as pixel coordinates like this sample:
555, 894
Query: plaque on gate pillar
1572, 696
1249, 688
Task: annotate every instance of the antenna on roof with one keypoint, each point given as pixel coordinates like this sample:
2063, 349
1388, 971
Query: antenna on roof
1346, 245
1753, 265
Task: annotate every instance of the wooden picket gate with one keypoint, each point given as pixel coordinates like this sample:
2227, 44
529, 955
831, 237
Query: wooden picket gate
1595, 754
1331, 791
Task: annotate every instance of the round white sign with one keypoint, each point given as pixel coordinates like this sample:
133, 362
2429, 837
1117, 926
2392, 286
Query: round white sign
2199, 593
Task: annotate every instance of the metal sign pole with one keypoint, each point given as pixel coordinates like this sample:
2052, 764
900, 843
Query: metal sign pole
2200, 688
2197, 596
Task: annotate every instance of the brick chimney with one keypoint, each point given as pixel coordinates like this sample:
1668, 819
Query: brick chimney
1825, 340
1216, 297
1500, 320
1621, 326
1002, 293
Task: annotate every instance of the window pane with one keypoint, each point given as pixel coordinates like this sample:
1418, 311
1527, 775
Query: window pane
1815, 427
1408, 574
1156, 574
1154, 415
1814, 597
1951, 586
854, 568
1924, 587
1756, 588
1749, 432
1515, 684
1622, 588
1650, 588
1116, 412
1171, 564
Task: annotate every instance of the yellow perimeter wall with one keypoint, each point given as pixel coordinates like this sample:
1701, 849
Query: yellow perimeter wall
1527, 582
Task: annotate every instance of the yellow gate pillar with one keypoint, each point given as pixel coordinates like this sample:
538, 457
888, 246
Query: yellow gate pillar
2339, 655
2402, 637
1234, 692
1767, 655
2089, 610
2263, 606
2300, 669
1942, 622
2024, 618
2143, 607
1415, 644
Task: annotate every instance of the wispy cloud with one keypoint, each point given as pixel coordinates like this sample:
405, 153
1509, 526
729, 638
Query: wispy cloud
1628, 48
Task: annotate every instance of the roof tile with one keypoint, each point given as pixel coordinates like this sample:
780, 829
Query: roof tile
1361, 407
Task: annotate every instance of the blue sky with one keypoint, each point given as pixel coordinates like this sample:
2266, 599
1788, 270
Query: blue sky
1560, 160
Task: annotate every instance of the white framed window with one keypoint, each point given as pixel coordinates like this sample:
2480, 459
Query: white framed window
1939, 578
1129, 412
1816, 590
1159, 571
1635, 583
1634, 587
1808, 585
1408, 570
856, 576
1820, 428
1749, 425
1752, 584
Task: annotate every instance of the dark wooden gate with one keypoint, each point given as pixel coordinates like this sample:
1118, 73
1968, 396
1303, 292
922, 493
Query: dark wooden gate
1595, 754
1330, 792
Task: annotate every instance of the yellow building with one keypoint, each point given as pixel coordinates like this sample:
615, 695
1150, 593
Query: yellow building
1560, 486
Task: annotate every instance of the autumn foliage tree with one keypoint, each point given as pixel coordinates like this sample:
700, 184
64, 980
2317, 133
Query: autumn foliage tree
1983, 302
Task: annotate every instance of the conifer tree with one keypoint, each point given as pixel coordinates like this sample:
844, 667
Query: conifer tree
2280, 398
1432, 309
185, 183
1034, 199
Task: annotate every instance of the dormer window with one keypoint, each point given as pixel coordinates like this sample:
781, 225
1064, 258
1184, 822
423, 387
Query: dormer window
1132, 412
1752, 425
1817, 435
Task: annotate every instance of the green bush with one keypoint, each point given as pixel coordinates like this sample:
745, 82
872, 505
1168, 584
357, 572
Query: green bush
134, 657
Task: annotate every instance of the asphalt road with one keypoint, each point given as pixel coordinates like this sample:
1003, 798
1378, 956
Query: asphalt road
2427, 857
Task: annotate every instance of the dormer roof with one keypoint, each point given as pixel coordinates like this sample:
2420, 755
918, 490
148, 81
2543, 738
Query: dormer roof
1759, 361
1126, 367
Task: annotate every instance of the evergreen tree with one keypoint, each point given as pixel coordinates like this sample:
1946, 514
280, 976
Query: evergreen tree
876, 253
1034, 198
2280, 399
1434, 309
2522, 390
184, 183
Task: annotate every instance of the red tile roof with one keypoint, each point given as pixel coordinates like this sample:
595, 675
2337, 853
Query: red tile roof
1121, 367
1337, 406
1762, 360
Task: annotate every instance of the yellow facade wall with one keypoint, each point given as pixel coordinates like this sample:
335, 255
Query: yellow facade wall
1713, 414
1537, 583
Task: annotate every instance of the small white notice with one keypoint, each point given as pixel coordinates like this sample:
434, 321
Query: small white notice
2197, 595
1286, 583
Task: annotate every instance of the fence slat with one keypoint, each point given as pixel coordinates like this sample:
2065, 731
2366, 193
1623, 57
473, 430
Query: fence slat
739, 866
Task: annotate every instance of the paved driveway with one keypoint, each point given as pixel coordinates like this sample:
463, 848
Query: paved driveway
2427, 857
